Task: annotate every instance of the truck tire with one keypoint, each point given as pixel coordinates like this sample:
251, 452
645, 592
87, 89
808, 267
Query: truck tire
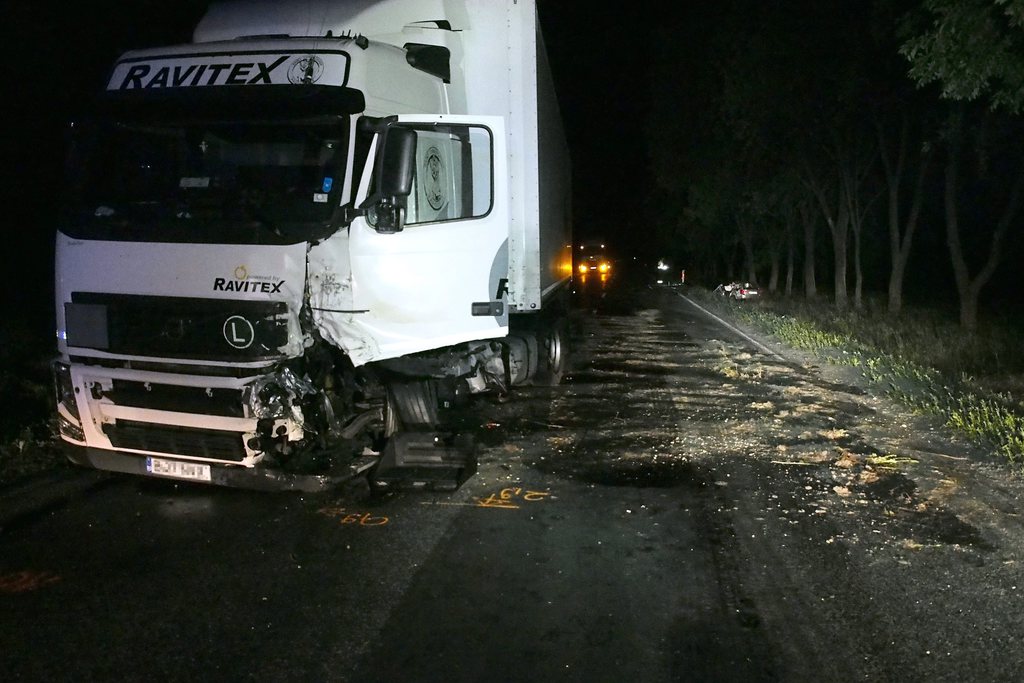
553, 346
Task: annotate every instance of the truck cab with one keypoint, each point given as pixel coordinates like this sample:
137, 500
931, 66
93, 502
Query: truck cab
290, 250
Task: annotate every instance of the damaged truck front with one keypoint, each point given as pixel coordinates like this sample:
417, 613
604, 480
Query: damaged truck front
295, 247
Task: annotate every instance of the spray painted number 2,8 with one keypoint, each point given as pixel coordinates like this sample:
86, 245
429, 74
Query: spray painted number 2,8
509, 498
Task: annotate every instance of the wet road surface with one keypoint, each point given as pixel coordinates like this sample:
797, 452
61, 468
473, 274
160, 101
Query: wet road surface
684, 508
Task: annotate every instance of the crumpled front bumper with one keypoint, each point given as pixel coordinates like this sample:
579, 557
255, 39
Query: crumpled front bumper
253, 478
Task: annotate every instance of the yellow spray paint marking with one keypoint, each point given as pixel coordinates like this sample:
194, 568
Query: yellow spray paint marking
357, 518
506, 499
25, 581
509, 498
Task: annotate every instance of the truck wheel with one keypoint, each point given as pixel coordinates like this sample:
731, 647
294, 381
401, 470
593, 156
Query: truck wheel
554, 354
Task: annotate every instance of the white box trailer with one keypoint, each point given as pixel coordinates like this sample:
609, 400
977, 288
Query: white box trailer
294, 244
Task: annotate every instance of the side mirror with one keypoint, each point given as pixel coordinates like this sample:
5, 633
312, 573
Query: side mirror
393, 176
398, 160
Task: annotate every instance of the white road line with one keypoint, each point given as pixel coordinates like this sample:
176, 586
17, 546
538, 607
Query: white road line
729, 327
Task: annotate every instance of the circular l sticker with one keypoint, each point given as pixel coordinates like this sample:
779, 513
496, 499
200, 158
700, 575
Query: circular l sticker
239, 332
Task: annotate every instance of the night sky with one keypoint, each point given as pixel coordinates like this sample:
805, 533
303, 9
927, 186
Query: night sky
628, 78
56, 56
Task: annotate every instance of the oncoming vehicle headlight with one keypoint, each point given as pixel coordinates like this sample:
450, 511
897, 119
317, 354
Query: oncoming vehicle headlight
604, 267
583, 268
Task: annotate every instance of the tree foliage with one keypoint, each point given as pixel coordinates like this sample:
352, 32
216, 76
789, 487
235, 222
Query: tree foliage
802, 122
970, 48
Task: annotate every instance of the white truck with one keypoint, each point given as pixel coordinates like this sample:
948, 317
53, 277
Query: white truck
295, 246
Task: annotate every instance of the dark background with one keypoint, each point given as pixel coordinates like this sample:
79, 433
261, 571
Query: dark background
56, 55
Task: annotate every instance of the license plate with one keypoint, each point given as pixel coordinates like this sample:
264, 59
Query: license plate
178, 469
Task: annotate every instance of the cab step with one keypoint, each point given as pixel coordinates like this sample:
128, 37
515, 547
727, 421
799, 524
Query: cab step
430, 461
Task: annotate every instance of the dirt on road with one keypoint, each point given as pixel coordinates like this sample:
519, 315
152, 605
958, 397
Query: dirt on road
854, 540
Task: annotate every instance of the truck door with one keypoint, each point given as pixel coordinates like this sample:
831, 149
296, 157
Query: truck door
441, 280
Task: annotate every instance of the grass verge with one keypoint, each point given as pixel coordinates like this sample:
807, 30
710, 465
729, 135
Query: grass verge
974, 382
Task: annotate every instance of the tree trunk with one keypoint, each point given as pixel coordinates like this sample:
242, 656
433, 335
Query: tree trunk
896, 285
810, 286
857, 210
901, 235
840, 230
969, 309
747, 238
790, 261
773, 276
858, 274
968, 287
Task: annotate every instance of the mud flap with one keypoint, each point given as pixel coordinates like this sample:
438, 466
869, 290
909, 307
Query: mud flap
425, 461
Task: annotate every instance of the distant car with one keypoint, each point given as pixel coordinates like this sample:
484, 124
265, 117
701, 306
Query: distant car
744, 291
738, 291
592, 259
594, 263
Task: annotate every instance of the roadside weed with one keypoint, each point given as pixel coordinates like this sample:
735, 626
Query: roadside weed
974, 382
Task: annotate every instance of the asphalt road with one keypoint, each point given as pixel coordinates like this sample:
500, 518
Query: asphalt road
686, 507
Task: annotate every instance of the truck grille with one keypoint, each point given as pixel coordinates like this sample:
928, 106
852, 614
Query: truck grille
196, 443
179, 399
177, 327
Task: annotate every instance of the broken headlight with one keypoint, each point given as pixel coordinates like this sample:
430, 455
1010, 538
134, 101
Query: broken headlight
69, 421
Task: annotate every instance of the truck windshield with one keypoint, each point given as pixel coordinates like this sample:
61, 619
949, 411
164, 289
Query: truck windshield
257, 182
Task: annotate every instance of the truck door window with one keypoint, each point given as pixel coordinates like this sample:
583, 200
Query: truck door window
453, 177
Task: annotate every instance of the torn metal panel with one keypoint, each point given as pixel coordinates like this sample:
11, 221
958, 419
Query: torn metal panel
276, 395
331, 299
412, 297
